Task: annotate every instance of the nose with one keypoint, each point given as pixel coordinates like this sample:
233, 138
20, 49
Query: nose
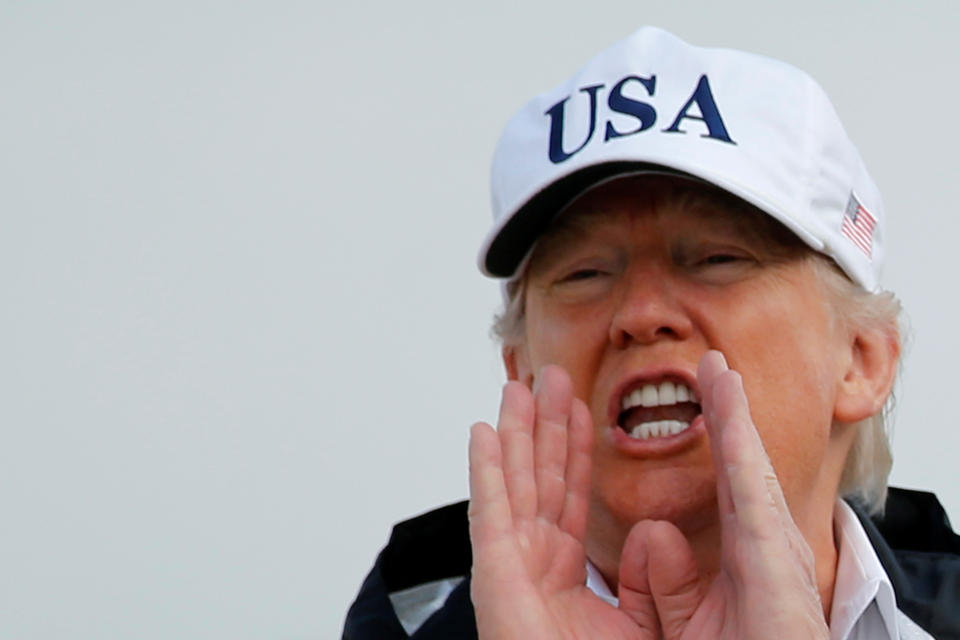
649, 310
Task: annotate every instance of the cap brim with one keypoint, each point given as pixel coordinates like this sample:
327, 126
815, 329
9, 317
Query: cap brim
510, 244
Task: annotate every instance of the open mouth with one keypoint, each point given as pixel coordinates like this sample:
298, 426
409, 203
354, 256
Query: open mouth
658, 410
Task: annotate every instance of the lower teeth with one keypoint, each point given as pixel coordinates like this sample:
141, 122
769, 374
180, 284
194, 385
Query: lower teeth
658, 429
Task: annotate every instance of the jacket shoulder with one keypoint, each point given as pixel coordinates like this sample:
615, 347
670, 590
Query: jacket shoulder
921, 554
419, 586
431, 546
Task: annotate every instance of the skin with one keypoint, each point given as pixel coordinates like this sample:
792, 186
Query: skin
650, 283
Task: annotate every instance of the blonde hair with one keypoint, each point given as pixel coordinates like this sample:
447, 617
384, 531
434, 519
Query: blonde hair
870, 459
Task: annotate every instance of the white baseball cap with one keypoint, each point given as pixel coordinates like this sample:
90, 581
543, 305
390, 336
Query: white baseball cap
755, 127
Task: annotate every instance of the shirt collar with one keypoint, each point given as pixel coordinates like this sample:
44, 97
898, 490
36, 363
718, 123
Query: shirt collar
860, 578
598, 585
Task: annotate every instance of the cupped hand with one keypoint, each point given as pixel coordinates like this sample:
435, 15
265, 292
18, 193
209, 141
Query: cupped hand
529, 499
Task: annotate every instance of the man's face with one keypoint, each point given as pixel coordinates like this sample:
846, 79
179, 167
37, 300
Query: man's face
628, 292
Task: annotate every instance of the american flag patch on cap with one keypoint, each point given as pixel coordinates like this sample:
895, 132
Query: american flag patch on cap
858, 225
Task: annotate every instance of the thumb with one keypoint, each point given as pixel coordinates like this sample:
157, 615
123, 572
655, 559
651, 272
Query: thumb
673, 578
633, 590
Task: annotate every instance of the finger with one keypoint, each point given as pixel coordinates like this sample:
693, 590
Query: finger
712, 364
673, 577
490, 515
576, 505
553, 399
633, 590
761, 524
515, 426
754, 490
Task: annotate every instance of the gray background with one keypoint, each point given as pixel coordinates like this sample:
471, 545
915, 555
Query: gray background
242, 332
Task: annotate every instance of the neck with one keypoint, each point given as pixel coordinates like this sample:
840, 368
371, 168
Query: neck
823, 543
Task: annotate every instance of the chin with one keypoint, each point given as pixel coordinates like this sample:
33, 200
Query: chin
685, 497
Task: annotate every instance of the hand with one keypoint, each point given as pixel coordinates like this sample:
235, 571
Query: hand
529, 498
767, 584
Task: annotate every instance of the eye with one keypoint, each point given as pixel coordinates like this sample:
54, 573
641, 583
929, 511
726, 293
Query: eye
721, 258
582, 274
715, 261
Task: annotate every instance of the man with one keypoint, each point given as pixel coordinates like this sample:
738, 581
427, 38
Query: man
700, 356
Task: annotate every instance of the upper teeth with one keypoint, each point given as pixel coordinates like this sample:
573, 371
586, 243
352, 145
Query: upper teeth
658, 395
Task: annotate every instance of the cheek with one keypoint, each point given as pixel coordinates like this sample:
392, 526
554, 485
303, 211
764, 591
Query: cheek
788, 348
575, 340
791, 383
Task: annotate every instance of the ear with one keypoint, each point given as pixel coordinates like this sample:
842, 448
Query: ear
516, 363
870, 375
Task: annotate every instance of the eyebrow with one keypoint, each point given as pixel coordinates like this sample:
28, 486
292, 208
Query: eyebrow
567, 231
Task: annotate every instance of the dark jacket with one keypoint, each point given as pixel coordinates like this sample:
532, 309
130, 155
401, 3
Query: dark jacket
913, 540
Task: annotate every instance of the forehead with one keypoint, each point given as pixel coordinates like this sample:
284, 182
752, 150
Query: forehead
691, 205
